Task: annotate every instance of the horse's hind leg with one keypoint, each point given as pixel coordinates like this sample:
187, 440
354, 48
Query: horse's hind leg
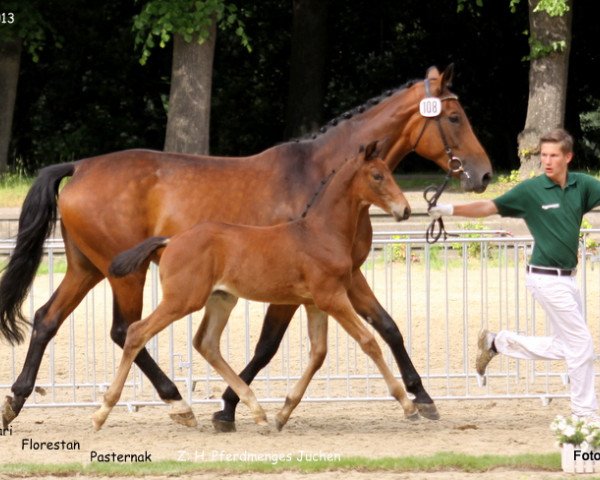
275, 324
127, 308
317, 333
207, 341
81, 276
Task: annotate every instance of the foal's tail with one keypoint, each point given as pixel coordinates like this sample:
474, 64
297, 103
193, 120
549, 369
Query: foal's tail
131, 260
36, 222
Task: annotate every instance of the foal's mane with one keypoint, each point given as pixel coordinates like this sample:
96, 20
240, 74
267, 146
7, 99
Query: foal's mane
319, 190
355, 111
322, 186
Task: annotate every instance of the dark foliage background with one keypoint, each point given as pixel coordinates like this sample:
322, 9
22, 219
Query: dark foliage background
92, 96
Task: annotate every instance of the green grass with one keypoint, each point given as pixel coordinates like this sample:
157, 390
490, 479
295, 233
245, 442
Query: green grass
13, 189
446, 461
59, 266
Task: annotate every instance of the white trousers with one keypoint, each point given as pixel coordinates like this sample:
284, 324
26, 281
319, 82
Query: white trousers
571, 339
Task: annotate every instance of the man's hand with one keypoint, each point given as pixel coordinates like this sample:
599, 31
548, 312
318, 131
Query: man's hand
443, 209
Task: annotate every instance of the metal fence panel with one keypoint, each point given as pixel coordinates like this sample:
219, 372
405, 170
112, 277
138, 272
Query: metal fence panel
439, 295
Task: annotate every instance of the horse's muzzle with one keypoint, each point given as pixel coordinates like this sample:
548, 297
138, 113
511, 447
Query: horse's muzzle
474, 181
401, 212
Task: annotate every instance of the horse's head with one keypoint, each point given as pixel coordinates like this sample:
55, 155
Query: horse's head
447, 134
438, 129
375, 183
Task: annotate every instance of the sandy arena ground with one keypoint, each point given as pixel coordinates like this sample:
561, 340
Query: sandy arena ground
336, 430
374, 429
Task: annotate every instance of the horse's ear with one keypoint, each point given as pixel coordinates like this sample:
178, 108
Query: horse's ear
371, 151
447, 77
432, 72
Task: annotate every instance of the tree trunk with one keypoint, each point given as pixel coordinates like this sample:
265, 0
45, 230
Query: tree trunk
548, 76
307, 67
10, 58
188, 124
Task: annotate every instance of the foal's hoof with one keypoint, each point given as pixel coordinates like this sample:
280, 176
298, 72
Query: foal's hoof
279, 423
221, 424
8, 414
98, 421
414, 416
261, 421
428, 410
187, 419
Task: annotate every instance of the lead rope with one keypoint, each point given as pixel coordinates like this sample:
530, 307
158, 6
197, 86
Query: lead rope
431, 195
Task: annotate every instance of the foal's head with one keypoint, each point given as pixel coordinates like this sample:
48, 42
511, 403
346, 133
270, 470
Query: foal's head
375, 184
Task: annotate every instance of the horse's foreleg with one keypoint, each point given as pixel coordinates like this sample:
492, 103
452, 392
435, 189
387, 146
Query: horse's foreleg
317, 333
364, 302
339, 307
276, 322
138, 334
207, 341
127, 308
47, 320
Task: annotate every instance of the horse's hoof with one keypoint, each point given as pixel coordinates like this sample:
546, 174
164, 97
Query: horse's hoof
97, 422
187, 419
221, 425
428, 410
8, 414
261, 421
414, 416
279, 423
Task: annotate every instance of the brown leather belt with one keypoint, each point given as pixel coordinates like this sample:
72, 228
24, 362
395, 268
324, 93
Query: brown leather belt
557, 272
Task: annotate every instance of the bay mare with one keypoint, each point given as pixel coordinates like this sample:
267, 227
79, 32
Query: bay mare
221, 262
115, 201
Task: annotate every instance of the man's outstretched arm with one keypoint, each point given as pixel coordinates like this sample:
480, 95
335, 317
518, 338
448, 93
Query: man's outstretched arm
480, 208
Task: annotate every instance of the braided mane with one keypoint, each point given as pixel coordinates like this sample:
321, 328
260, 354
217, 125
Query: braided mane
354, 111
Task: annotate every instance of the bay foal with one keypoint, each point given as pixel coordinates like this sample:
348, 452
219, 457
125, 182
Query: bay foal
307, 262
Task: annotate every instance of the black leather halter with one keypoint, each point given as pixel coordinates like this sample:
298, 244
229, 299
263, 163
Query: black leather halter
432, 193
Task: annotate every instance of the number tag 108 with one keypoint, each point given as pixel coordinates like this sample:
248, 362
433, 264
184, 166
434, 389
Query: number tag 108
430, 107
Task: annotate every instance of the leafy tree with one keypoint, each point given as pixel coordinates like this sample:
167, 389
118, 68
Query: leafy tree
88, 94
22, 26
250, 90
550, 44
92, 95
307, 67
192, 25
583, 96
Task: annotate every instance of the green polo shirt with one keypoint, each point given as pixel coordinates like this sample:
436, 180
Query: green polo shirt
553, 215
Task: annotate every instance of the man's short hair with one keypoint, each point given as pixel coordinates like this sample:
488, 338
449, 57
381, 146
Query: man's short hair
560, 136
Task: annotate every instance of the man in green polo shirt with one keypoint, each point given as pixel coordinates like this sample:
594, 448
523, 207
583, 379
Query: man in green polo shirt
552, 205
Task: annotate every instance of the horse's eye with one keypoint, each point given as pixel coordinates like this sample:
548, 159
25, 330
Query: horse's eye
378, 177
454, 118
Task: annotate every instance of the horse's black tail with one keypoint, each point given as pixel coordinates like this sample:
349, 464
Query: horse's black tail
36, 222
131, 260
